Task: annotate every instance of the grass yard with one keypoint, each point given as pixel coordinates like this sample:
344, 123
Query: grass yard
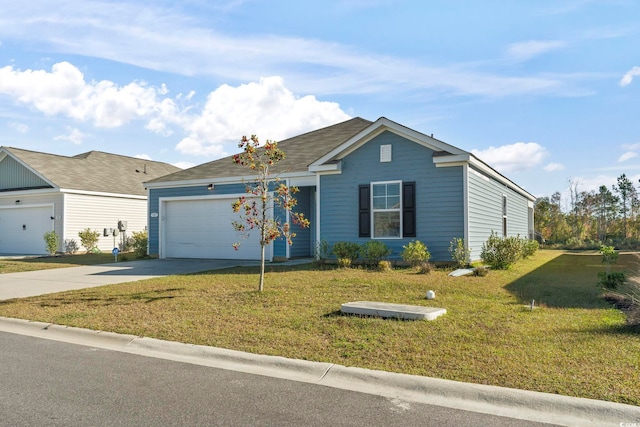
574, 344
8, 265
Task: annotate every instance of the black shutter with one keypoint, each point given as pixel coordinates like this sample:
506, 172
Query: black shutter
409, 209
364, 211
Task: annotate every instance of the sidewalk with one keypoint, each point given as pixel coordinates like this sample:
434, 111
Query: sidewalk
518, 404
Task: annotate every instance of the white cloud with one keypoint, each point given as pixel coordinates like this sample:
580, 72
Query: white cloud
142, 156
553, 167
63, 91
527, 50
513, 157
628, 77
19, 127
265, 108
627, 156
73, 135
631, 147
119, 32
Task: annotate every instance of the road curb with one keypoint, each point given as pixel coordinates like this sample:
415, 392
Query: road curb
514, 403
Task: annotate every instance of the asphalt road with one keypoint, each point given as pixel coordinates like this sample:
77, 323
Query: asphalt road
51, 383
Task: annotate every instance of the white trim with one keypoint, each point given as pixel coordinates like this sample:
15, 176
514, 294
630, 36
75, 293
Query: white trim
375, 129
22, 206
239, 179
399, 210
13, 193
337, 166
447, 161
318, 239
465, 205
287, 215
97, 193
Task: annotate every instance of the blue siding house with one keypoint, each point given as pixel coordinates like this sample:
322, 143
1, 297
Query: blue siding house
358, 180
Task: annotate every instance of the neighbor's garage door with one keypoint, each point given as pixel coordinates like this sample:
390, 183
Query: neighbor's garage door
202, 228
22, 229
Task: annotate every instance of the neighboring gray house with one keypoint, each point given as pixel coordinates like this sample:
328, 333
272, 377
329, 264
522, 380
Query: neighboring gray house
40, 192
358, 180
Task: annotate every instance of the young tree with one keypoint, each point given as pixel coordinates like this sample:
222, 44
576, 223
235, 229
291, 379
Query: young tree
266, 193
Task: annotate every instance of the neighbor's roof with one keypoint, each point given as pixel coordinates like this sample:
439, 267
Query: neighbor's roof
300, 151
93, 171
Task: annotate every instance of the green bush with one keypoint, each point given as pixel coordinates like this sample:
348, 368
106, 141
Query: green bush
139, 243
374, 251
529, 247
459, 252
52, 242
415, 253
501, 253
89, 239
346, 250
612, 280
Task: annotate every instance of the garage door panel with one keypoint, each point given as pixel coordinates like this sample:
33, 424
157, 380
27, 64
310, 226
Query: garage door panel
22, 229
202, 229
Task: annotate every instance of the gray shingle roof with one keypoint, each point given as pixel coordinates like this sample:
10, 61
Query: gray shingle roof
300, 151
94, 171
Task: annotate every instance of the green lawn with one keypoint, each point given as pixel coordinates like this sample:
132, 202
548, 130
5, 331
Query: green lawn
49, 262
574, 344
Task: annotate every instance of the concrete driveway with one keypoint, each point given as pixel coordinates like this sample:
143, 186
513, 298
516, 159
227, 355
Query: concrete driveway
32, 283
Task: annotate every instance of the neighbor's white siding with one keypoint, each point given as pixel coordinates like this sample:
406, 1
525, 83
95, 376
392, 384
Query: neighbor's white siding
100, 212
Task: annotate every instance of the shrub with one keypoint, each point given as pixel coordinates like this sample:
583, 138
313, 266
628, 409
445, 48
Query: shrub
529, 247
348, 250
52, 241
612, 280
139, 243
344, 262
415, 253
125, 244
459, 252
374, 251
501, 252
71, 246
385, 265
322, 251
425, 267
89, 239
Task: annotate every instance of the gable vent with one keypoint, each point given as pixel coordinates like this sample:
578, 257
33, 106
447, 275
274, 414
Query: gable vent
385, 153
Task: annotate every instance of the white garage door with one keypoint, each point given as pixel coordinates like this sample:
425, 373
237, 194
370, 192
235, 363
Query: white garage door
22, 229
201, 228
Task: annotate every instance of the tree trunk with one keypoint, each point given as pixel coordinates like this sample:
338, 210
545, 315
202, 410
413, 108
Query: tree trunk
261, 285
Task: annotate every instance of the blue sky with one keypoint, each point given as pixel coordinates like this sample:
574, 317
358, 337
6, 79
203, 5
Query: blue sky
543, 91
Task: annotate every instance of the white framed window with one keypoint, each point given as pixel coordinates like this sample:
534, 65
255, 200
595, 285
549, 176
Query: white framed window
386, 212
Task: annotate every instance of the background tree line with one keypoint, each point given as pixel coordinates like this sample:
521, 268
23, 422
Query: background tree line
609, 216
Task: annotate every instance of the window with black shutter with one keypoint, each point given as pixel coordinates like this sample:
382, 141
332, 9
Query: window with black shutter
409, 209
364, 211
389, 202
